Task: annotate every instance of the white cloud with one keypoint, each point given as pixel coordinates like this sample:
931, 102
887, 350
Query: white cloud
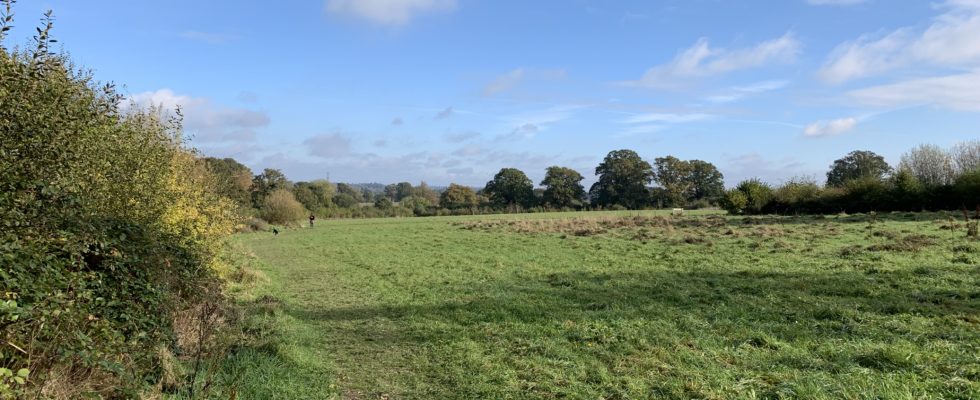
526, 125
952, 40
204, 120
830, 128
835, 2
958, 92
514, 78
388, 12
701, 60
739, 92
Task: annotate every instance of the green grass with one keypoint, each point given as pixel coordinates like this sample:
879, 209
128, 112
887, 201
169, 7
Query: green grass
612, 305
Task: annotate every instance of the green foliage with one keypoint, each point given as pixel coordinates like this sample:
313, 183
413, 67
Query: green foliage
623, 177
383, 203
316, 195
345, 200
967, 188
270, 180
280, 207
457, 197
348, 190
857, 164
234, 180
510, 188
735, 201
563, 188
108, 225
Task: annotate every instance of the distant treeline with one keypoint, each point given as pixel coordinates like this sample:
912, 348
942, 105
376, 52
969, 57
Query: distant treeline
927, 178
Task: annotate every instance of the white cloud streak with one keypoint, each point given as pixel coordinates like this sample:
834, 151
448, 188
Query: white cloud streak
388, 12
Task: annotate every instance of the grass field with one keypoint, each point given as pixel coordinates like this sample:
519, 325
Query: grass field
615, 306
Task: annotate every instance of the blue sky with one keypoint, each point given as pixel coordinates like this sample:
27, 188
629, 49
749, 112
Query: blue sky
453, 90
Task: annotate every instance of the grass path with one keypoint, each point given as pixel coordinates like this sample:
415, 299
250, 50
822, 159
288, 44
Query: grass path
457, 308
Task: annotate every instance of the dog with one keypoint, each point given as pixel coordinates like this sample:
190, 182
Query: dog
275, 232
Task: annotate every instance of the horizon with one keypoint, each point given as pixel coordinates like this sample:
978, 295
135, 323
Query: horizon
447, 91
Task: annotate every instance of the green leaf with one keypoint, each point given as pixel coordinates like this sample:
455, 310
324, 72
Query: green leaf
23, 372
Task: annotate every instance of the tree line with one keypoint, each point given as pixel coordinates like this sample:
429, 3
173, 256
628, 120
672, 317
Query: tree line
928, 177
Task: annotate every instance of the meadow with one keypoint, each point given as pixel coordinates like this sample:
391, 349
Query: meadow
611, 305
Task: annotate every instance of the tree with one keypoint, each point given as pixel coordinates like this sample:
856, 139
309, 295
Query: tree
623, 177
345, 200
353, 192
314, 195
563, 187
749, 197
383, 203
509, 188
734, 201
267, 182
424, 191
966, 156
458, 197
233, 179
673, 174
908, 191
281, 207
930, 164
403, 190
707, 183
857, 164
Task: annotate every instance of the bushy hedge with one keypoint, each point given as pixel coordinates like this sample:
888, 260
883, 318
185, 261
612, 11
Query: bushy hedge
900, 192
108, 226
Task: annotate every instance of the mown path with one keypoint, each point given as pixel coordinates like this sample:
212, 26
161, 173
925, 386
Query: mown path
445, 308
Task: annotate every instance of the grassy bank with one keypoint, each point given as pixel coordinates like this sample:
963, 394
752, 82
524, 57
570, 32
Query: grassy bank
613, 305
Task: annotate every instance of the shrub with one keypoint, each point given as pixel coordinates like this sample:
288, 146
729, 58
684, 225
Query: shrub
734, 201
280, 207
108, 227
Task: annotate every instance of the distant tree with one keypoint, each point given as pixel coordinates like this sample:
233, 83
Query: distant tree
749, 197
458, 197
424, 191
563, 187
623, 177
967, 188
353, 192
418, 205
314, 195
966, 156
510, 187
673, 175
267, 182
857, 164
908, 191
403, 190
280, 207
930, 164
707, 183
233, 179
345, 200
391, 192
383, 203
367, 195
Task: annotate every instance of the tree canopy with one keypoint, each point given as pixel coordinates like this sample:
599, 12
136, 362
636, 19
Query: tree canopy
623, 179
563, 187
858, 164
510, 187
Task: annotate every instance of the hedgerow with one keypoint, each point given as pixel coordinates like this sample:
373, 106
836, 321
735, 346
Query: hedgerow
108, 227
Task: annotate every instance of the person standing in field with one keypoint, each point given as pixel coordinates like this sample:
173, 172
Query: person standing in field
312, 218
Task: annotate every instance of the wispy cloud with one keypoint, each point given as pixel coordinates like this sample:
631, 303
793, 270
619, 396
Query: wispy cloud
952, 40
959, 92
666, 117
526, 125
736, 93
330, 145
388, 12
830, 128
205, 121
446, 113
700, 60
513, 78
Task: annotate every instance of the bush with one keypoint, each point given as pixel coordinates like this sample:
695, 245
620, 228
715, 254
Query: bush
280, 207
734, 201
108, 227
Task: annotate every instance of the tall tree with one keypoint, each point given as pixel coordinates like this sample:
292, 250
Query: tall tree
267, 182
673, 174
314, 195
563, 187
510, 187
424, 191
966, 156
458, 197
233, 179
353, 192
707, 183
857, 164
932, 165
623, 177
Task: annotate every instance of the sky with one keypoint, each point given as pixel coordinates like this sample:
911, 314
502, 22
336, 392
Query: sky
453, 90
